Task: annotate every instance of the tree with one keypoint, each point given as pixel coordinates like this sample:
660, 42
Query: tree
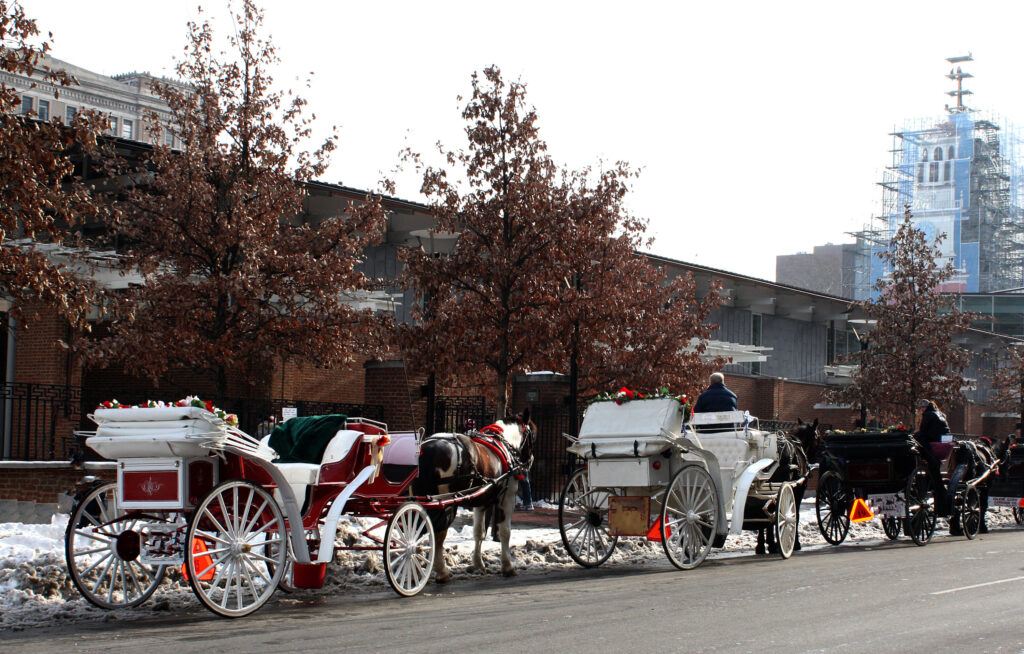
234, 277
911, 354
619, 320
544, 264
486, 305
40, 200
1008, 381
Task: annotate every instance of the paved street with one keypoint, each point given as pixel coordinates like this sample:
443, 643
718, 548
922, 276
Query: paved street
952, 595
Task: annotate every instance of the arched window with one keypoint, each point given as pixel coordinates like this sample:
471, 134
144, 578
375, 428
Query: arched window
938, 154
924, 155
951, 153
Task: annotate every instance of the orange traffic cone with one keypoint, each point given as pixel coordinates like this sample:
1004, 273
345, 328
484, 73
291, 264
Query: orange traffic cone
860, 511
204, 564
654, 533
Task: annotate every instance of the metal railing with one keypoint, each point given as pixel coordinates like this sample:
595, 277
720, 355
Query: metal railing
36, 421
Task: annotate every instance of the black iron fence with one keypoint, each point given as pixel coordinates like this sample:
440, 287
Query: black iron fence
453, 414
36, 421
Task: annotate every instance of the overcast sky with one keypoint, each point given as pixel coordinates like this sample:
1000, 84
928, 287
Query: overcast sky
761, 127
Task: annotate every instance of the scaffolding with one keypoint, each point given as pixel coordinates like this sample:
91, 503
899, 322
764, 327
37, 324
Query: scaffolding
961, 177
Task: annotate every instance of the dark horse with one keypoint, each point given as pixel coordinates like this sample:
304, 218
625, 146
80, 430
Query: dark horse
968, 460
794, 456
495, 456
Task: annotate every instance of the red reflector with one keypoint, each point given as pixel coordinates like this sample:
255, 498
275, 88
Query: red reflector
656, 465
861, 512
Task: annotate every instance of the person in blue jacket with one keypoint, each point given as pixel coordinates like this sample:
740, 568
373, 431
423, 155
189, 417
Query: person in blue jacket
716, 397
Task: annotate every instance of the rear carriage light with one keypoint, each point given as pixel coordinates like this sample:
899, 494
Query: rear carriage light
656, 464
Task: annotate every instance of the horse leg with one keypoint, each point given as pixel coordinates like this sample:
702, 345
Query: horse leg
480, 521
759, 549
772, 538
442, 574
504, 509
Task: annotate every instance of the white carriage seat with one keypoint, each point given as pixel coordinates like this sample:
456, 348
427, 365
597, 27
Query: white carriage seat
301, 475
727, 435
403, 449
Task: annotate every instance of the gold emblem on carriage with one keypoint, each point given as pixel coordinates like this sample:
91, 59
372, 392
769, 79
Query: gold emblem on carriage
150, 486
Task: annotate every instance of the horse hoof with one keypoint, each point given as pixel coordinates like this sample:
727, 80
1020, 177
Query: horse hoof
443, 579
511, 572
759, 550
797, 547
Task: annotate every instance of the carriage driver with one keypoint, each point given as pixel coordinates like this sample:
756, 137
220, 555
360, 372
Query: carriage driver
716, 398
931, 429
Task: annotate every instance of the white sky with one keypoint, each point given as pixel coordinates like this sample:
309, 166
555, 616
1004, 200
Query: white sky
761, 128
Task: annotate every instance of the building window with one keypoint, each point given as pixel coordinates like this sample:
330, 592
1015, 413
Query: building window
755, 339
44, 110
127, 130
920, 173
830, 343
933, 171
951, 153
113, 126
70, 114
924, 156
168, 137
26, 104
945, 171
938, 154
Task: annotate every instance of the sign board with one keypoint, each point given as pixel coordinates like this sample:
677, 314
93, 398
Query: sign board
888, 504
288, 413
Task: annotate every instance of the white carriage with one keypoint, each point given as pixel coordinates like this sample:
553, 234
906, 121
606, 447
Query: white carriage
196, 493
689, 486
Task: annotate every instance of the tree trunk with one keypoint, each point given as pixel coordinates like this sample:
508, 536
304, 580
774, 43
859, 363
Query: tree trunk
502, 395
574, 381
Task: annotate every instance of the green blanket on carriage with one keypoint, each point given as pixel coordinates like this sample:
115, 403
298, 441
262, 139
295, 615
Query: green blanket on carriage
303, 440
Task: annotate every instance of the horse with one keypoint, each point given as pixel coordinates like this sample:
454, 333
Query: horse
793, 464
969, 459
498, 455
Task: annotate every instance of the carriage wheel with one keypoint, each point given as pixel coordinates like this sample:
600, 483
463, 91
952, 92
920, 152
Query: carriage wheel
892, 527
239, 549
583, 521
970, 512
689, 516
1018, 515
920, 508
409, 549
787, 519
102, 547
832, 504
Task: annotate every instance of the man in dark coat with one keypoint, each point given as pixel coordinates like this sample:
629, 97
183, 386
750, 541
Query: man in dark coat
931, 429
716, 397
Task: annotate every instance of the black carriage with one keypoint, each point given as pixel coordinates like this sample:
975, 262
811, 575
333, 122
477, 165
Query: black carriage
1007, 488
882, 468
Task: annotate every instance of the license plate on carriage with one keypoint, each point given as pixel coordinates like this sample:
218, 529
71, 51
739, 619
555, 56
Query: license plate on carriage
1005, 502
162, 544
887, 504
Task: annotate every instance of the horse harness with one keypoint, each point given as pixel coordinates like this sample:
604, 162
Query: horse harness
491, 438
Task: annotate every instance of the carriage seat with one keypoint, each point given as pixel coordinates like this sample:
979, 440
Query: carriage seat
723, 434
301, 475
401, 457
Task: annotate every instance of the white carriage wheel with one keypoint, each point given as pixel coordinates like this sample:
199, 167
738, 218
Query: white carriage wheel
583, 521
689, 516
409, 549
102, 547
237, 549
787, 518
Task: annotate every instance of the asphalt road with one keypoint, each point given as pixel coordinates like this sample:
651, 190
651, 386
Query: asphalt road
951, 596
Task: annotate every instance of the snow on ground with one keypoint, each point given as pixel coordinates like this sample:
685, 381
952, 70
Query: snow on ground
35, 589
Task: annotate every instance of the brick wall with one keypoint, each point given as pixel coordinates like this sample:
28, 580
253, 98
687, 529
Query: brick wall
43, 484
305, 381
777, 399
400, 392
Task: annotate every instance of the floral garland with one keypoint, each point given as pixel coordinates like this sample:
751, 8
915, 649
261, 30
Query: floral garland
191, 401
624, 395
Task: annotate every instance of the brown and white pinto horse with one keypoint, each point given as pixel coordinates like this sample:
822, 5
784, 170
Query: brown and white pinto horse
497, 455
